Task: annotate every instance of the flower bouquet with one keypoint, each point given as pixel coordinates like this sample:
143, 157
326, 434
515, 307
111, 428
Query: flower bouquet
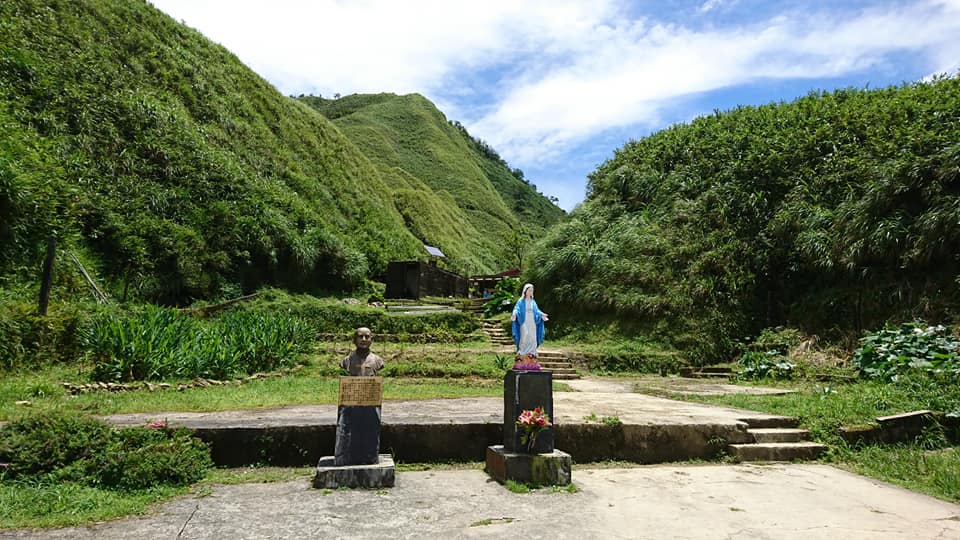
526, 362
531, 423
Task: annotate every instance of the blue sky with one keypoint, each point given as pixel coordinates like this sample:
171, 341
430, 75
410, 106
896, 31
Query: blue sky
555, 86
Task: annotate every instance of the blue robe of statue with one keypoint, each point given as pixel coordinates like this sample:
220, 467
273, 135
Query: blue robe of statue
520, 311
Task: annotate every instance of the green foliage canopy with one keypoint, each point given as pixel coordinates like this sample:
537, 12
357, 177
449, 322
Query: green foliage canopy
831, 213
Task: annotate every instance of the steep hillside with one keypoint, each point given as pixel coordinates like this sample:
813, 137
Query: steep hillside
833, 213
407, 137
177, 173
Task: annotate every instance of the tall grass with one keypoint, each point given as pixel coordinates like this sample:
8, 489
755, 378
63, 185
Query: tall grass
161, 343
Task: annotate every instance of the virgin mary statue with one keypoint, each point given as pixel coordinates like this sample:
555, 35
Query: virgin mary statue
528, 322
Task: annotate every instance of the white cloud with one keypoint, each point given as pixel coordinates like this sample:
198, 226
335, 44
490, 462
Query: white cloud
625, 75
536, 78
710, 5
373, 46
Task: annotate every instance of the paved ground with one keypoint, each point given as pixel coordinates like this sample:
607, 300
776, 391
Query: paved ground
654, 502
600, 397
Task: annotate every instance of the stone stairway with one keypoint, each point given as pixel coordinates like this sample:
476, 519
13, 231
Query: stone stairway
475, 306
498, 335
558, 363
776, 439
706, 372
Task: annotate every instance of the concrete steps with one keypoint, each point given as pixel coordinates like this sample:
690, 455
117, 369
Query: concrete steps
557, 362
776, 439
493, 329
803, 450
706, 372
475, 306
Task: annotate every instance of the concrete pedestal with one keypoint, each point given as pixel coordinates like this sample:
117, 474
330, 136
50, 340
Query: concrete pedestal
527, 390
375, 475
358, 436
548, 469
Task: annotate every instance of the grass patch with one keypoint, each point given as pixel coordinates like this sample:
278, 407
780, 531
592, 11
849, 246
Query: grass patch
36, 505
824, 408
312, 385
934, 472
517, 487
491, 521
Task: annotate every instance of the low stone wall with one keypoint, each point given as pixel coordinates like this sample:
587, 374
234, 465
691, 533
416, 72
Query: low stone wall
410, 443
901, 428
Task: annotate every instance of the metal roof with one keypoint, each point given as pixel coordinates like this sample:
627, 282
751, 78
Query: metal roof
434, 251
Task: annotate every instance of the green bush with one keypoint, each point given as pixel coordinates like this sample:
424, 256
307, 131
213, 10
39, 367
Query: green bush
503, 298
761, 365
27, 339
894, 350
332, 316
780, 339
74, 448
161, 343
431, 368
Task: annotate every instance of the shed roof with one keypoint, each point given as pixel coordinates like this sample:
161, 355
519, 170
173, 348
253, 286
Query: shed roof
434, 251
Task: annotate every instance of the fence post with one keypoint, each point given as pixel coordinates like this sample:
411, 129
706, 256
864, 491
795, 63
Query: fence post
46, 279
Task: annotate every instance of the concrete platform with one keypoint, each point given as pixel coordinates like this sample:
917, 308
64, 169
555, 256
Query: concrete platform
786, 502
652, 429
547, 469
377, 475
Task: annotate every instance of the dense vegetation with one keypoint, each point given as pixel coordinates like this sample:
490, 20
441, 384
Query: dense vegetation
68, 447
452, 189
175, 173
832, 213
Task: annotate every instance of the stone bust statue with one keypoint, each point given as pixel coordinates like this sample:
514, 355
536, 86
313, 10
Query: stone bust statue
362, 362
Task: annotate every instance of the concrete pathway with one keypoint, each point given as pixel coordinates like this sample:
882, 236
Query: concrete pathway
654, 502
569, 407
675, 385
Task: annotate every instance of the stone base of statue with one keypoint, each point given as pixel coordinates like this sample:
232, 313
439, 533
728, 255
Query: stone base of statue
375, 475
357, 461
549, 469
539, 463
525, 391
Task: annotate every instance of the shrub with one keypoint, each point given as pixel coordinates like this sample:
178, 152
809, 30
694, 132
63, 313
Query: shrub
162, 343
504, 295
890, 352
332, 316
761, 365
779, 338
27, 339
75, 448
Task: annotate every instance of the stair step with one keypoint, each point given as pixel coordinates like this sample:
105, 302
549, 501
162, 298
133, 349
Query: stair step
776, 451
565, 376
779, 435
558, 365
770, 422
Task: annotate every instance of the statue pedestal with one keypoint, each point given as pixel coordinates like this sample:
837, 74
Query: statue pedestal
357, 461
548, 469
540, 464
358, 436
376, 475
527, 390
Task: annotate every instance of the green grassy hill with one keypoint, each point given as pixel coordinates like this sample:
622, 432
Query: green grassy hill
408, 139
833, 213
177, 173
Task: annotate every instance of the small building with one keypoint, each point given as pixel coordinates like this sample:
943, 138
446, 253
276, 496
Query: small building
484, 285
416, 279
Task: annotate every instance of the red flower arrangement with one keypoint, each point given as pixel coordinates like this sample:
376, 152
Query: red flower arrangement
532, 423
